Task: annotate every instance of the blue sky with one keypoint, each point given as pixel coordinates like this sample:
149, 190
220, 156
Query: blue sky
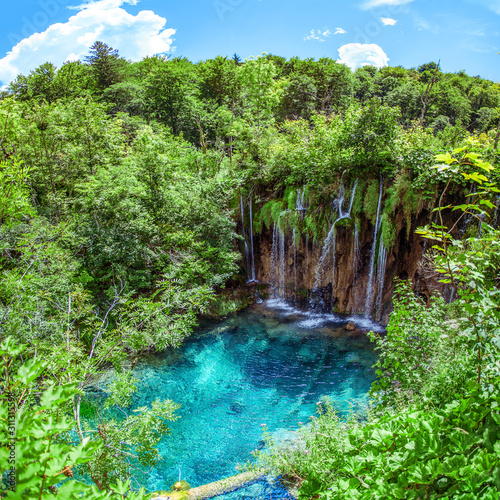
462, 34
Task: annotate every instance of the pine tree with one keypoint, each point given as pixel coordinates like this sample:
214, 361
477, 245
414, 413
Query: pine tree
105, 63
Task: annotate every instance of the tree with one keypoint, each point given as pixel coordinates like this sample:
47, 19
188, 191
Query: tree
38, 85
431, 78
106, 65
299, 97
261, 92
169, 96
37, 460
219, 81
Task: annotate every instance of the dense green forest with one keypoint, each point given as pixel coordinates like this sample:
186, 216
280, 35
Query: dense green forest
120, 187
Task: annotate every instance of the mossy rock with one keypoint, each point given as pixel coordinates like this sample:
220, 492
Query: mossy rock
182, 485
177, 495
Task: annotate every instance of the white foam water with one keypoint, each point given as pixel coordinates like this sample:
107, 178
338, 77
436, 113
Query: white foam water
311, 319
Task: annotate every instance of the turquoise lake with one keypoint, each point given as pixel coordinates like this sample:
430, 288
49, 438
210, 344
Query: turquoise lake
270, 364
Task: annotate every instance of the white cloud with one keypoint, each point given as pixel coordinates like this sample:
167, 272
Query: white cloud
340, 31
388, 21
105, 20
319, 35
370, 4
356, 55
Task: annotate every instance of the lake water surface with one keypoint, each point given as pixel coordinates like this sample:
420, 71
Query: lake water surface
270, 364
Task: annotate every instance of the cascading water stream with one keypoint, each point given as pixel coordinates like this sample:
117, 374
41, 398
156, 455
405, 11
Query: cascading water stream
278, 256
308, 266
353, 194
281, 282
330, 241
356, 255
369, 290
294, 262
252, 276
301, 205
243, 232
381, 267
273, 272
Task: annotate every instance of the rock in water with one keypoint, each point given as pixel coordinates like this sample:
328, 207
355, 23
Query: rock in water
180, 486
350, 327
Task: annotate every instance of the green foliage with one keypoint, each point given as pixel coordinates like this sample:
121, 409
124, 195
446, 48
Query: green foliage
372, 133
403, 198
130, 442
36, 451
290, 195
370, 205
433, 428
105, 65
118, 188
389, 231
433, 433
314, 227
14, 202
265, 215
357, 206
423, 360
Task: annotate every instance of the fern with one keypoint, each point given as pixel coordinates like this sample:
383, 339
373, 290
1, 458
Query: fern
371, 200
290, 197
389, 231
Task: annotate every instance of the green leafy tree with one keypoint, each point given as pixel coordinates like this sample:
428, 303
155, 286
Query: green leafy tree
169, 96
38, 459
40, 84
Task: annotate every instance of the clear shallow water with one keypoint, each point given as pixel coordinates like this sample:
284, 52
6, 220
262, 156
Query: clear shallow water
269, 365
264, 488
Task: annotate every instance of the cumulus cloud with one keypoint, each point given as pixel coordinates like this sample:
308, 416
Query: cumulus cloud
319, 35
134, 36
388, 21
356, 55
370, 4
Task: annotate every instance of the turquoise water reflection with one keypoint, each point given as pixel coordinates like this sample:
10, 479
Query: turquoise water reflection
268, 365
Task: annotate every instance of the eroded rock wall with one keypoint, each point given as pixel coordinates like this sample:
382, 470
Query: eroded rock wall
342, 284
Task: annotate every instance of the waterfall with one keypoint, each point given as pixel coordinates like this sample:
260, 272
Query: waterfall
281, 281
294, 262
381, 267
356, 255
278, 254
369, 289
330, 241
273, 272
338, 203
334, 262
252, 276
353, 194
243, 232
301, 205
325, 252
307, 273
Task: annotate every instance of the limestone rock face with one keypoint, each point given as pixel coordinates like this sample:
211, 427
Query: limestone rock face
343, 280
